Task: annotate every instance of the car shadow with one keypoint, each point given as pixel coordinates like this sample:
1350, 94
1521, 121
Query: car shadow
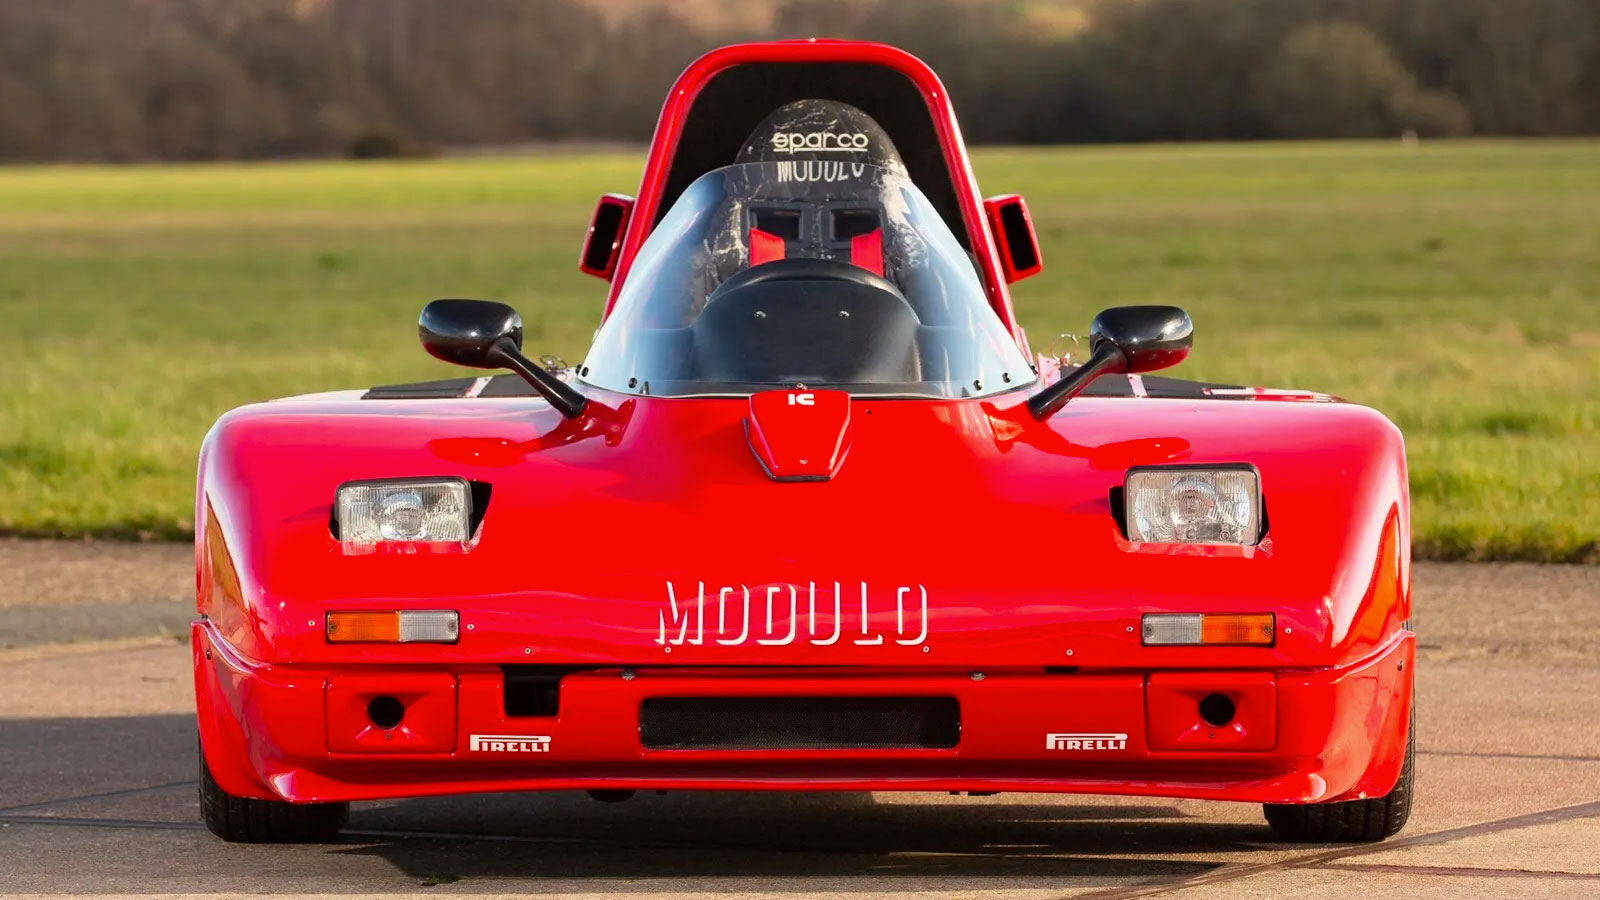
774, 836
137, 772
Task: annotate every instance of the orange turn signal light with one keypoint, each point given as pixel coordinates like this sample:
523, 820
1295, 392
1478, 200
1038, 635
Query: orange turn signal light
1247, 628
364, 627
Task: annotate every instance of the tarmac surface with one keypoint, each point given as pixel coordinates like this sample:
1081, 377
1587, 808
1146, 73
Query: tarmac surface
97, 782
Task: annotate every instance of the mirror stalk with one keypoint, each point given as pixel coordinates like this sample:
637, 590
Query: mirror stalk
1122, 340
562, 396
488, 335
1106, 359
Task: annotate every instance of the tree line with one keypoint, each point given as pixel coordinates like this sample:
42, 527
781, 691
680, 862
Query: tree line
242, 79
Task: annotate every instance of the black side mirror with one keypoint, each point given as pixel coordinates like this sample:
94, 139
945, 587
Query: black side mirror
469, 332
1122, 339
1148, 337
483, 334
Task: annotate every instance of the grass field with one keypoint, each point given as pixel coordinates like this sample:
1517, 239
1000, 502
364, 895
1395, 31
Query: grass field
1455, 286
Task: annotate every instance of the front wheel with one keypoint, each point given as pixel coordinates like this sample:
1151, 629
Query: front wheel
251, 821
1350, 821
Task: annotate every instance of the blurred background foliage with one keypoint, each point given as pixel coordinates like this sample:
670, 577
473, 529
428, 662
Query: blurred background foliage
121, 80
1451, 284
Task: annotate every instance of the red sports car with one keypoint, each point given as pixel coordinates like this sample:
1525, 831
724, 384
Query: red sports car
809, 516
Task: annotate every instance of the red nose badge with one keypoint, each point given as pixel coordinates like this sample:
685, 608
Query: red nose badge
799, 435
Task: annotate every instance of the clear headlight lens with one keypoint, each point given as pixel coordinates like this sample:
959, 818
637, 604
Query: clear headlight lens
412, 510
1176, 505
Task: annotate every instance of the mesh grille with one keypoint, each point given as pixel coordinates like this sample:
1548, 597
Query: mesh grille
799, 723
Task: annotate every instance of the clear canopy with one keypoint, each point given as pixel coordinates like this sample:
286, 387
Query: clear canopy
826, 274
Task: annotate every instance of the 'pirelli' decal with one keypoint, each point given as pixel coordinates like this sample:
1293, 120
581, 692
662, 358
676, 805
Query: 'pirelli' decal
1056, 741
509, 743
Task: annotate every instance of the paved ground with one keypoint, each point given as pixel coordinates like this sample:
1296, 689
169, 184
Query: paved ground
97, 783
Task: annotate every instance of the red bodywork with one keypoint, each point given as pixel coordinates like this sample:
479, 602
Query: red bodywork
926, 548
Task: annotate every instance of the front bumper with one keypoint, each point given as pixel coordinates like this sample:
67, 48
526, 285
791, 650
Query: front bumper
305, 733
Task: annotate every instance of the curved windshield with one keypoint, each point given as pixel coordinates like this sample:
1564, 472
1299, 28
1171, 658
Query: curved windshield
805, 273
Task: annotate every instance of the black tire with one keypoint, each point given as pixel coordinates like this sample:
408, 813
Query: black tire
249, 821
1350, 821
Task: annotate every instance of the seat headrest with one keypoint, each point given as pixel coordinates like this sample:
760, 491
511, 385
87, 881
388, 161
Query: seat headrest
821, 130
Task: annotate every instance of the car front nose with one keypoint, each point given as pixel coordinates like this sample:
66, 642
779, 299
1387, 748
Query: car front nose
373, 731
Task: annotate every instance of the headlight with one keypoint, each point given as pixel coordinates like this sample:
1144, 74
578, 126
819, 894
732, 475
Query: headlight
1182, 505
420, 510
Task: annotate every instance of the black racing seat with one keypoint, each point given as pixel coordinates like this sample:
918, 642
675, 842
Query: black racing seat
798, 321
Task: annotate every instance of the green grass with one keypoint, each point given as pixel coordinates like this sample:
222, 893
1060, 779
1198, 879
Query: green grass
1455, 286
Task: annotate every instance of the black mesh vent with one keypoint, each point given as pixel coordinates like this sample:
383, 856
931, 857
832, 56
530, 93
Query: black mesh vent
799, 723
